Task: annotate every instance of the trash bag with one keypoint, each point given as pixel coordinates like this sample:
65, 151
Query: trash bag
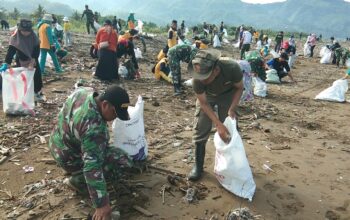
180, 42
335, 93
272, 77
129, 65
225, 41
188, 82
327, 55
18, 91
231, 164
322, 51
247, 94
216, 41
97, 25
307, 50
347, 63
138, 53
123, 72
260, 87
274, 54
236, 45
130, 135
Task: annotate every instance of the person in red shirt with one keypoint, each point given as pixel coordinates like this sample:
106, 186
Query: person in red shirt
106, 43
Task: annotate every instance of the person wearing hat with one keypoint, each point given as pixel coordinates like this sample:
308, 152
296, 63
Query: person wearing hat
66, 32
176, 54
79, 143
217, 81
89, 19
106, 43
47, 43
24, 43
280, 64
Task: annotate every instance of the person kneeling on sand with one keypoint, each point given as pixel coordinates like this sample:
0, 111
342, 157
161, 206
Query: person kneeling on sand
280, 64
79, 143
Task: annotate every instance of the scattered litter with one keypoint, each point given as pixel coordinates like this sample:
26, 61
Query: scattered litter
266, 167
28, 169
240, 214
190, 195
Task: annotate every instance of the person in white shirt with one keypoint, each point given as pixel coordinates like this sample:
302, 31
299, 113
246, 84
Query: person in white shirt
245, 41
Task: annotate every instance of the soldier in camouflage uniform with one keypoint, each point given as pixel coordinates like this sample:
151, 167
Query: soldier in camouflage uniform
89, 19
342, 54
79, 142
177, 54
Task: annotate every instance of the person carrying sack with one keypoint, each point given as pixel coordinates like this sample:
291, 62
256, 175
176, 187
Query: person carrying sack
217, 81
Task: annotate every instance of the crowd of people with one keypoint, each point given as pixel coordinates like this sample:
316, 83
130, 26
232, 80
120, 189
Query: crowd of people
79, 142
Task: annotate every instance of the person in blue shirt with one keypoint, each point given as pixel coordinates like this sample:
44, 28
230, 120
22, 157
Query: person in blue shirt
280, 64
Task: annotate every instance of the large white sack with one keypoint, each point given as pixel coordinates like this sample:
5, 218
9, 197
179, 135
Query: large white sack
236, 45
323, 49
307, 50
260, 87
216, 41
97, 25
335, 93
272, 77
326, 58
231, 164
138, 53
247, 94
130, 135
18, 91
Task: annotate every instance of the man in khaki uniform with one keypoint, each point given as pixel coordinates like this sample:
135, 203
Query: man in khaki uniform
216, 81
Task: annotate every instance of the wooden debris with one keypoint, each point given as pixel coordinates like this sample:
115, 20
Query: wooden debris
142, 210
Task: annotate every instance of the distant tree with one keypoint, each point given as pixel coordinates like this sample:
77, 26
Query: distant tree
15, 14
3, 13
76, 15
39, 12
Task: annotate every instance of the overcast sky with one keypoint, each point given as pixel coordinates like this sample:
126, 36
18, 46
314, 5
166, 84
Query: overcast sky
263, 1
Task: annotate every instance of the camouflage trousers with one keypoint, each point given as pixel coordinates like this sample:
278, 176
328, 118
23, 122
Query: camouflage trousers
341, 55
71, 162
175, 68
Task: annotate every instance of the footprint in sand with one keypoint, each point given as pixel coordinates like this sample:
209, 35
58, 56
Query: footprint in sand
290, 164
271, 187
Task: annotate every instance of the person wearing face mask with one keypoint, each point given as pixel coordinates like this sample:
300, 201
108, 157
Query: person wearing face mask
24, 43
79, 143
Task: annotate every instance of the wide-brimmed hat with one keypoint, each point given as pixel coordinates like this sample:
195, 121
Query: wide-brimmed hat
47, 17
65, 18
204, 62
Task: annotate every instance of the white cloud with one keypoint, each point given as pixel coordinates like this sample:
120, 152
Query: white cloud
346, 0
264, 1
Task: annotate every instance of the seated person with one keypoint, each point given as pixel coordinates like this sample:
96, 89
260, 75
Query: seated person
280, 64
161, 70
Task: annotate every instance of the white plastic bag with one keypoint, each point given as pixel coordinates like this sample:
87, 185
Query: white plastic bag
180, 42
123, 71
335, 93
138, 53
18, 91
216, 41
236, 45
272, 77
97, 25
49, 62
247, 94
130, 135
260, 87
348, 63
323, 49
188, 82
327, 55
224, 40
274, 54
231, 164
307, 50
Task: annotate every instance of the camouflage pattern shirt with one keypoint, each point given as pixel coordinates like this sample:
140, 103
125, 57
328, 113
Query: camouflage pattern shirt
80, 141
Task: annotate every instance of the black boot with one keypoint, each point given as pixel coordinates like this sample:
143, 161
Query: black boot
197, 169
177, 89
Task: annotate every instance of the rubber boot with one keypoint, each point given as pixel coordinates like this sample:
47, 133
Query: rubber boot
177, 89
197, 169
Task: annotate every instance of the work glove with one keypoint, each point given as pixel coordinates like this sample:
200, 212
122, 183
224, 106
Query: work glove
3, 67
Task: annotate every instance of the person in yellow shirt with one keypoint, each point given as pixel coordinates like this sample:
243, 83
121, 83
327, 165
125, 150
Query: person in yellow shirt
161, 70
172, 34
256, 36
66, 32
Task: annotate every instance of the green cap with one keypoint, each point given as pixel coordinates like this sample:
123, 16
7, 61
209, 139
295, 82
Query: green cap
203, 63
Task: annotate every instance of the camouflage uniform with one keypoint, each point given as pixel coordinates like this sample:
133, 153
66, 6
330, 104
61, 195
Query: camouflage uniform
342, 54
79, 142
177, 54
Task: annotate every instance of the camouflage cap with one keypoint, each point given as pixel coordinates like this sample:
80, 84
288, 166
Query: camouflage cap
203, 63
